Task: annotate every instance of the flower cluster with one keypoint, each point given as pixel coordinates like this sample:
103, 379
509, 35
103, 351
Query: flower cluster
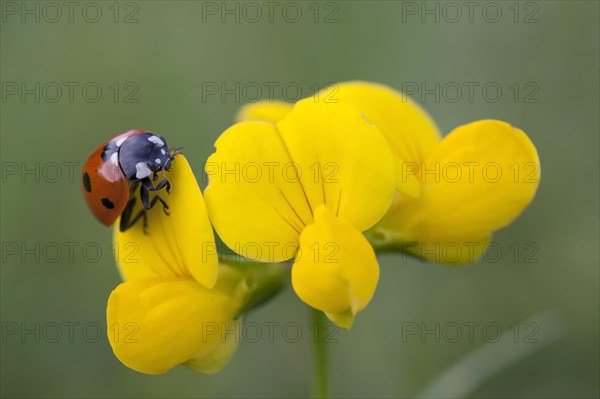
324, 185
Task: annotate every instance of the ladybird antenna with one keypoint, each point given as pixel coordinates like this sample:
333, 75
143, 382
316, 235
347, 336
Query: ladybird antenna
176, 151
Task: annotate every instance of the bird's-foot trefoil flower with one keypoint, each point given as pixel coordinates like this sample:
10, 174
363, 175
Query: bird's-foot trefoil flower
305, 188
177, 301
452, 193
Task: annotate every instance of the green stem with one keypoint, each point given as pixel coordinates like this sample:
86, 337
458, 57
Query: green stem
320, 356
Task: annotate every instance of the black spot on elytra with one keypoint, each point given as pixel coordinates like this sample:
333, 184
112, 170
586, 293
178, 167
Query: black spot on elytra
107, 203
87, 184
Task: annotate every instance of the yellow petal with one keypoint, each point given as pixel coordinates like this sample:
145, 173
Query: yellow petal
345, 161
410, 131
266, 180
156, 324
265, 111
215, 357
178, 244
336, 270
254, 200
406, 182
479, 179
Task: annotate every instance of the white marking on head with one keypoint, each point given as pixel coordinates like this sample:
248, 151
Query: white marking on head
156, 140
120, 141
158, 161
142, 170
114, 158
162, 151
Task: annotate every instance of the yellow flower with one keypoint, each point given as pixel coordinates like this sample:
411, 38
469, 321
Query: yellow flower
452, 193
305, 188
175, 293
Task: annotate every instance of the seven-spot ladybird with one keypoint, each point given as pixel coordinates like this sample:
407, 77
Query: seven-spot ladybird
117, 167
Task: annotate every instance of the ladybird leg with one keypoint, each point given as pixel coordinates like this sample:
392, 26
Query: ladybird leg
127, 221
145, 194
162, 184
154, 201
163, 202
126, 215
148, 204
125, 224
167, 184
149, 186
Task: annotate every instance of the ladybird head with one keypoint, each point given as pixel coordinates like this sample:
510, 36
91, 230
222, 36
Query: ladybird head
144, 154
172, 154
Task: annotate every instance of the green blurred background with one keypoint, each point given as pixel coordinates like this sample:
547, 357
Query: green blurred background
155, 60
